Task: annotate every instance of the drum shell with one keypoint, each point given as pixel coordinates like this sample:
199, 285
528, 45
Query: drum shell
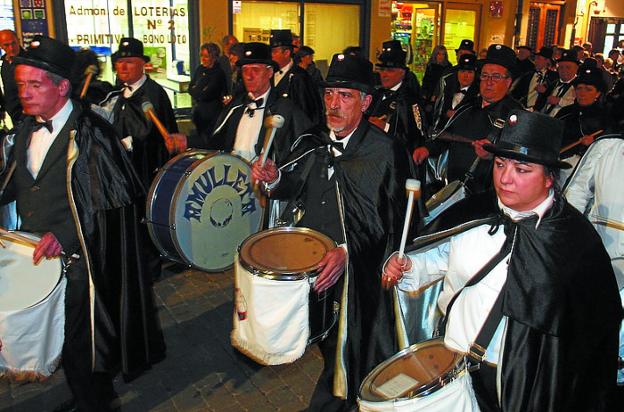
449, 388
262, 331
32, 314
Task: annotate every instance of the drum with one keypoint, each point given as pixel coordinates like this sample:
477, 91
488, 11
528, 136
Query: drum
424, 377
443, 199
32, 312
277, 315
200, 206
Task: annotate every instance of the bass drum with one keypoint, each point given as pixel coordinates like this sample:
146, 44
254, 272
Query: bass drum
200, 207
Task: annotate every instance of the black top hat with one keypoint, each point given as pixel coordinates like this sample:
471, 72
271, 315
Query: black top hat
529, 48
467, 62
392, 55
350, 72
281, 38
530, 137
129, 47
568, 56
256, 53
50, 55
592, 76
546, 52
466, 44
501, 55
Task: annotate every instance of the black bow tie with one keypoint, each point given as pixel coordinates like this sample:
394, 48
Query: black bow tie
47, 124
253, 105
463, 91
127, 86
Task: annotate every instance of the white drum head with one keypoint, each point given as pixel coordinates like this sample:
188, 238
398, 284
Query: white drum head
22, 284
215, 210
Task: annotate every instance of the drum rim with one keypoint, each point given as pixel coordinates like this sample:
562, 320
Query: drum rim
281, 275
422, 390
61, 265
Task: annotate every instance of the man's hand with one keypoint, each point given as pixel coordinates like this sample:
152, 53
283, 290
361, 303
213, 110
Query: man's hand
267, 173
379, 121
540, 88
553, 100
420, 154
331, 268
479, 150
394, 269
176, 143
587, 139
450, 113
48, 247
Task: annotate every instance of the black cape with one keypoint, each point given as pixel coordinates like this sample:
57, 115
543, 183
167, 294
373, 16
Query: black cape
561, 299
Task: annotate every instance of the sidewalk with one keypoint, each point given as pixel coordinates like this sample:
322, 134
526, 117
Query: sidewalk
202, 372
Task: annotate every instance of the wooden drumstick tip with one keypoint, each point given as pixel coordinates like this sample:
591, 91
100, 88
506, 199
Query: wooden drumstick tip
275, 121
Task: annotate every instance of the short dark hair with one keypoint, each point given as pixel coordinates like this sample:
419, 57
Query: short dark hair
212, 49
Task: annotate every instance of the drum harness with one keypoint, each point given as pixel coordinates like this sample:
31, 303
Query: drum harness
478, 348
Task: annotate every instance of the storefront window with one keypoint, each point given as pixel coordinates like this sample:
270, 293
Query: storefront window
7, 18
328, 36
257, 18
415, 25
328, 28
163, 29
458, 25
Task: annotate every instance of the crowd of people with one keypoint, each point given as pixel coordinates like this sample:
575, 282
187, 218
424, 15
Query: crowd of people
518, 260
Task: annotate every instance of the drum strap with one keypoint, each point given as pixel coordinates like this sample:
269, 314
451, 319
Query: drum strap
479, 347
293, 212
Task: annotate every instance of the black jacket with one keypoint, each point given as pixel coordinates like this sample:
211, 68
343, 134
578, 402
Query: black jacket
581, 121
11, 103
207, 88
520, 88
298, 86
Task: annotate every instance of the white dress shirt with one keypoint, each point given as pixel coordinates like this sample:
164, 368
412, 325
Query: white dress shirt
337, 153
458, 260
458, 97
129, 91
41, 140
249, 129
279, 74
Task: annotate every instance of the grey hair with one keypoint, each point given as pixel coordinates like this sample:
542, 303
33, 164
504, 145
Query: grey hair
57, 79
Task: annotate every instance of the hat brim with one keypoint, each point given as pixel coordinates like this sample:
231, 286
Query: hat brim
468, 50
42, 65
565, 59
521, 153
348, 85
243, 61
115, 56
391, 65
600, 85
501, 62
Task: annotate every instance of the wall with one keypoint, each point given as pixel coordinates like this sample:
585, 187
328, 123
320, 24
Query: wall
497, 29
379, 30
213, 21
604, 8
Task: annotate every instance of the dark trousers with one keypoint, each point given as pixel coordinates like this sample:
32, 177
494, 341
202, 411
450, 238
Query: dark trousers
484, 384
323, 398
92, 391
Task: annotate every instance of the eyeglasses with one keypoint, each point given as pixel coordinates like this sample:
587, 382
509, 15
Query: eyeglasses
496, 77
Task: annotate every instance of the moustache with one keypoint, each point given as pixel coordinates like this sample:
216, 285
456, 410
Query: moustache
334, 112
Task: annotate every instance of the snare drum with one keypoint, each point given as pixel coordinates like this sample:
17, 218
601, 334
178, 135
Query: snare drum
424, 377
200, 206
32, 312
277, 315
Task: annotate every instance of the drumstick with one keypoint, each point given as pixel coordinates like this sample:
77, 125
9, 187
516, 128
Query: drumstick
578, 142
272, 123
148, 109
608, 222
450, 137
25, 239
90, 71
413, 190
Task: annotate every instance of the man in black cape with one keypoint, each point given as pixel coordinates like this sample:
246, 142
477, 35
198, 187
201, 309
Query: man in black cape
355, 195
75, 186
529, 292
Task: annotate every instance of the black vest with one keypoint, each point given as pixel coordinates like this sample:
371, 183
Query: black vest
321, 205
42, 203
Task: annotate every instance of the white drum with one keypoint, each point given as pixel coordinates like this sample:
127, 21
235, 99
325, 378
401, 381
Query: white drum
425, 377
277, 315
32, 312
